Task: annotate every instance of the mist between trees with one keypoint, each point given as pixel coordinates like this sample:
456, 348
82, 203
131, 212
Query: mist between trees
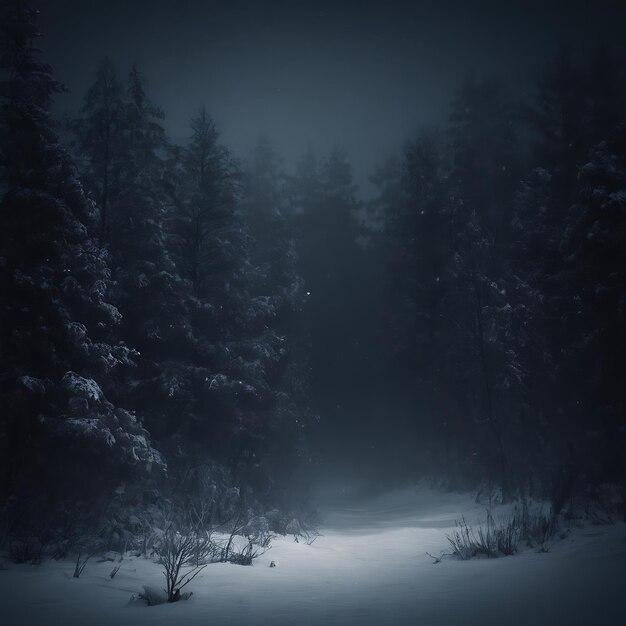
178, 325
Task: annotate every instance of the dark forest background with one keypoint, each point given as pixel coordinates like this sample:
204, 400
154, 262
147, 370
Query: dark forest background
180, 325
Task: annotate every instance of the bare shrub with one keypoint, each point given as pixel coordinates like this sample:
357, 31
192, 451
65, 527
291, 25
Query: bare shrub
501, 537
489, 539
118, 565
507, 536
463, 541
228, 550
537, 527
238, 526
81, 562
183, 555
247, 554
486, 539
311, 535
185, 550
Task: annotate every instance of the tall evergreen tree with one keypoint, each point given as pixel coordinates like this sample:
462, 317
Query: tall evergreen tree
450, 236
224, 382
559, 121
271, 223
56, 321
485, 156
100, 139
205, 207
595, 247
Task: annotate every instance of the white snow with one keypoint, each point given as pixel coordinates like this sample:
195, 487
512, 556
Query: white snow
369, 568
89, 427
36, 385
82, 387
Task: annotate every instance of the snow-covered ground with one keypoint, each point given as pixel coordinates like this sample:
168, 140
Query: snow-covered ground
369, 568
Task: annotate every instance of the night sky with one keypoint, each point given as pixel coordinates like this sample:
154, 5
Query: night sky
363, 75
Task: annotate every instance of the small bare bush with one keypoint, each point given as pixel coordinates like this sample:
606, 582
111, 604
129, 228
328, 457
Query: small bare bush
463, 541
507, 536
492, 538
489, 539
81, 562
536, 527
229, 551
247, 554
183, 555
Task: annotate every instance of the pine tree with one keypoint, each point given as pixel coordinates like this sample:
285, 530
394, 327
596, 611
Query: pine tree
100, 139
595, 246
56, 320
485, 155
456, 303
574, 109
149, 289
559, 120
274, 278
205, 208
224, 384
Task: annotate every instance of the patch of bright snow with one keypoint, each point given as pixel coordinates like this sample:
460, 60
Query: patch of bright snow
369, 568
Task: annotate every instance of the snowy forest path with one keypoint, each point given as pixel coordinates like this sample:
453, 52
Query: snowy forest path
370, 567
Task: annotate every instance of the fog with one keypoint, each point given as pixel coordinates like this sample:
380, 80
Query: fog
363, 75
358, 75
312, 312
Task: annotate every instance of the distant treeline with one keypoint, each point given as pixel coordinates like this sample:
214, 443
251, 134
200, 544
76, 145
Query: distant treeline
172, 320
505, 238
